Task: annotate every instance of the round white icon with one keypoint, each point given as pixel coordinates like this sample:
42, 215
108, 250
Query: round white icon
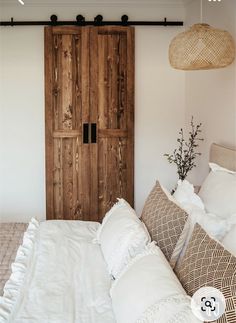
208, 304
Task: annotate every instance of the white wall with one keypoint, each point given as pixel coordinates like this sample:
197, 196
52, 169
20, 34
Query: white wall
22, 124
160, 104
211, 95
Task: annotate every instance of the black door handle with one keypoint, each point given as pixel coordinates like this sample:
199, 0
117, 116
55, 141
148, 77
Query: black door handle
93, 133
85, 133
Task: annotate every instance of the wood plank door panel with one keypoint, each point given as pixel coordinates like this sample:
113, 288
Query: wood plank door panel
112, 62
89, 79
67, 109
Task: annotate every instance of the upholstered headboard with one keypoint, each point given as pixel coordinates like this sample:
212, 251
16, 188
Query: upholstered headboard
223, 156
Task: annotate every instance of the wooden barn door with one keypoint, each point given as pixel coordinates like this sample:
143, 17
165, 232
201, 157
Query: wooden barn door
112, 108
67, 111
89, 85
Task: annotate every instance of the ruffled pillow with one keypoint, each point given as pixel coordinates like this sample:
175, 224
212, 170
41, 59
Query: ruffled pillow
121, 236
185, 194
147, 291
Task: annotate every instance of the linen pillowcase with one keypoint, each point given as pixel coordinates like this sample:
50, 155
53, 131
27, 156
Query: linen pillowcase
185, 194
217, 227
166, 222
147, 290
118, 205
218, 191
207, 263
215, 167
121, 236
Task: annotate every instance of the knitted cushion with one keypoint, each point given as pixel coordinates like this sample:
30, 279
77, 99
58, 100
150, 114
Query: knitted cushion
207, 263
165, 222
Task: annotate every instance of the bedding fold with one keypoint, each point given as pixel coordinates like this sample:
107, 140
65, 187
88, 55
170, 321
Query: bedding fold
66, 278
12, 289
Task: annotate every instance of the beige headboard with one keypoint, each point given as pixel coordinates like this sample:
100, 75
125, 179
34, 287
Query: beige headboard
223, 156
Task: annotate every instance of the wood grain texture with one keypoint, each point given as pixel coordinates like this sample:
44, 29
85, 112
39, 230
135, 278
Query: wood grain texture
67, 108
130, 113
93, 119
113, 65
49, 121
89, 79
84, 184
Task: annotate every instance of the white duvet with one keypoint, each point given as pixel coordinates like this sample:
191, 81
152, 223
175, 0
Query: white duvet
66, 280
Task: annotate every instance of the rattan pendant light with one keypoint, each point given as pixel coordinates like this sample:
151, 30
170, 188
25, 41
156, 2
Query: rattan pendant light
202, 47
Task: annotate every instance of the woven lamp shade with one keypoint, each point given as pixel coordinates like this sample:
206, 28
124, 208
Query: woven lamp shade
202, 47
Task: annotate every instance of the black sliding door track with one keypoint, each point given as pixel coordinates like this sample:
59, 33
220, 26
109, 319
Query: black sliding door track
98, 21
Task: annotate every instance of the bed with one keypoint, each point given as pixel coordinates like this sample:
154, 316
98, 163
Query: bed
223, 156
65, 263
60, 274
11, 236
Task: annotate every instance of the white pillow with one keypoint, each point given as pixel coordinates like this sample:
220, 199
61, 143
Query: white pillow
214, 167
185, 194
148, 291
217, 227
229, 241
121, 236
218, 192
115, 207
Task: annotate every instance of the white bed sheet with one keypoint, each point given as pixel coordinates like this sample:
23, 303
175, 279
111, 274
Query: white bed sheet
67, 279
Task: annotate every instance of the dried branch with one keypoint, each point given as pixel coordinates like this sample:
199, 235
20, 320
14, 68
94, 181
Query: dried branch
185, 155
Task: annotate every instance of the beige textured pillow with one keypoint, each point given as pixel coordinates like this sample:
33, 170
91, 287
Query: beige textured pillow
166, 222
207, 263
